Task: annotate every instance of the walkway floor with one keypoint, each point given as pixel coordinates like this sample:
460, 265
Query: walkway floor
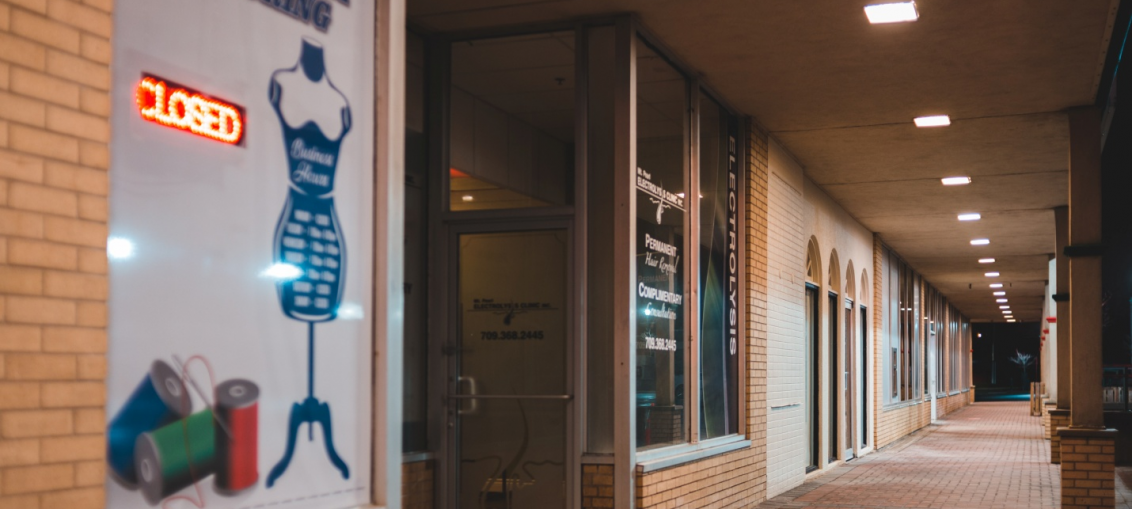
988, 455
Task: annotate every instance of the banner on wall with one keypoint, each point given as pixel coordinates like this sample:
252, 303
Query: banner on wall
240, 245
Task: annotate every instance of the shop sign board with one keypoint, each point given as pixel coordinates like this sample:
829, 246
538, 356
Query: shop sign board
241, 232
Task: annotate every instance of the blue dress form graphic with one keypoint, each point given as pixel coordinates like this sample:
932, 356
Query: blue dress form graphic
315, 118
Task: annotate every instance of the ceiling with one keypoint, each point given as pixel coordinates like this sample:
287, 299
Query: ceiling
840, 94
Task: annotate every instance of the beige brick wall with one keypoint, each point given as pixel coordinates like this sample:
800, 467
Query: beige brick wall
597, 486
1087, 472
736, 479
54, 130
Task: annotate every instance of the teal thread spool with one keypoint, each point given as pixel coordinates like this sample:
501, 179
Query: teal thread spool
174, 456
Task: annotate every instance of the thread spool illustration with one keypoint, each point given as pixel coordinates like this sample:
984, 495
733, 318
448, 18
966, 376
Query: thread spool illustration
237, 405
159, 399
174, 456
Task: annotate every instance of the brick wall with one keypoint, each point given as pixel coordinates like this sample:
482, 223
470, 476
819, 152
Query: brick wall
736, 479
786, 338
54, 130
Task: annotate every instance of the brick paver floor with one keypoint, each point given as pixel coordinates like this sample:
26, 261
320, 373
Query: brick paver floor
988, 455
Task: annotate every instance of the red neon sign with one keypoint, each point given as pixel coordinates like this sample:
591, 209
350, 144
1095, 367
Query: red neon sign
174, 106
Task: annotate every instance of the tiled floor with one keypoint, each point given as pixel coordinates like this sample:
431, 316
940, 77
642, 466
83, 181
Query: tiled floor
988, 455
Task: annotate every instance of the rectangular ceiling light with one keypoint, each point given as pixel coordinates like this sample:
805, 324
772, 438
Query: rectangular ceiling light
996, 285
1000, 301
1004, 307
955, 181
999, 294
974, 216
980, 242
1011, 320
898, 12
986, 260
991, 274
933, 121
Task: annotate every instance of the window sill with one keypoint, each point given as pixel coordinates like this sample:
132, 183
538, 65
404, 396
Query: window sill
680, 454
952, 393
901, 404
414, 457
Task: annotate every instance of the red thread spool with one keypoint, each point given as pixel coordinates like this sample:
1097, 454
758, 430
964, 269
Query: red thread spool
237, 406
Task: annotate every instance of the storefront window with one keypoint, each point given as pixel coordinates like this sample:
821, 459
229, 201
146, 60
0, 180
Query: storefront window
719, 271
511, 129
662, 101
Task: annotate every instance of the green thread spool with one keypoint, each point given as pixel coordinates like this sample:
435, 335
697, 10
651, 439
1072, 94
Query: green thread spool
166, 463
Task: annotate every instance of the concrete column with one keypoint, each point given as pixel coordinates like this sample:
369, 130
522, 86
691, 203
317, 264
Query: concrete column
1059, 417
1085, 268
1061, 285
1087, 448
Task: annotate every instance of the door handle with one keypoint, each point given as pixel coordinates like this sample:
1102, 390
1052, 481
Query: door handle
473, 402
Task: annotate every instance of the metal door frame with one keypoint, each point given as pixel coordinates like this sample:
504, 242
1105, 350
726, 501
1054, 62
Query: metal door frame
449, 448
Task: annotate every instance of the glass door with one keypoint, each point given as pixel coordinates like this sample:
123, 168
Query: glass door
847, 386
508, 396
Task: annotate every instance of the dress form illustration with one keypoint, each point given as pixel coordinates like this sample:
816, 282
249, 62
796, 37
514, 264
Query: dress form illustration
315, 117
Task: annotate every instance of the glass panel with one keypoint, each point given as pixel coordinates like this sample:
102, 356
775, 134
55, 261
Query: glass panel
847, 378
863, 377
661, 157
415, 388
813, 367
719, 273
599, 246
831, 419
512, 328
511, 123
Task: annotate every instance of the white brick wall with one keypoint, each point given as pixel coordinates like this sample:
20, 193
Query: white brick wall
786, 278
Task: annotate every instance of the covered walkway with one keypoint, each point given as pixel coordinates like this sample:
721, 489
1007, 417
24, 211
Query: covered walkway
988, 455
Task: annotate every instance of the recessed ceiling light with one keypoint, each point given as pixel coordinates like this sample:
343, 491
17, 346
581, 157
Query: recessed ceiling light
933, 121
980, 242
996, 285
467, 197
991, 274
899, 12
1000, 300
973, 216
955, 181
1004, 307
1011, 320
996, 294
986, 260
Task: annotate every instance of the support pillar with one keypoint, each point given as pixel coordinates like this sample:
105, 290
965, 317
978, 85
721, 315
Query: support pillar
1059, 416
1087, 447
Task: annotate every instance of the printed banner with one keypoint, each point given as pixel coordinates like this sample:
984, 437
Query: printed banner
240, 245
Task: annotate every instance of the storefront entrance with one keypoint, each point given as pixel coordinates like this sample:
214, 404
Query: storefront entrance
509, 400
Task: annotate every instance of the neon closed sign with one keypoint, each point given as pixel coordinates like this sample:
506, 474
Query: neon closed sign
172, 105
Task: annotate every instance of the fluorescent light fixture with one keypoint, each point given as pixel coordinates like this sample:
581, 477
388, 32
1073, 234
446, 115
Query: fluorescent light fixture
119, 248
999, 294
980, 242
1000, 301
986, 260
1011, 320
996, 285
955, 181
991, 274
467, 197
973, 216
898, 12
1004, 307
933, 121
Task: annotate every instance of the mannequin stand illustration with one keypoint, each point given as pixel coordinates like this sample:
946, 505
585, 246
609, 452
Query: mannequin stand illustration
307, 236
